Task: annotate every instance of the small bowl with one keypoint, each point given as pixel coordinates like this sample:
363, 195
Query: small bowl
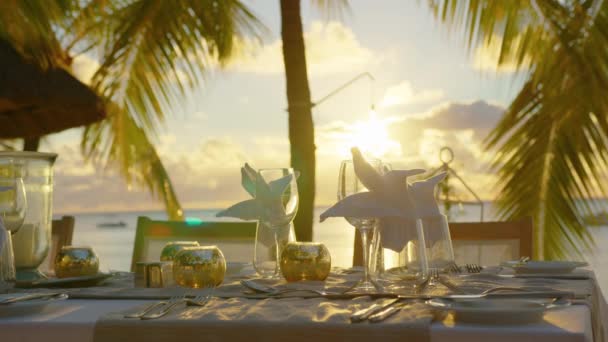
74, 261
173, 247
305, 261
199, 267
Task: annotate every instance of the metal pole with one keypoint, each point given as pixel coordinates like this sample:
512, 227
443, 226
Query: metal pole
345, 85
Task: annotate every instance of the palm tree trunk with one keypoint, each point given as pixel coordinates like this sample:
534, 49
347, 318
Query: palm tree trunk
31, 144
301, 128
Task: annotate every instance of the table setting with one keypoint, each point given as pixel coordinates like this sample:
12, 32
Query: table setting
409, 285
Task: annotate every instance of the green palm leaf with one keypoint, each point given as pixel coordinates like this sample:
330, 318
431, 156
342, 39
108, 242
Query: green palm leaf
119, 138
30, 27
551, 143
152, 53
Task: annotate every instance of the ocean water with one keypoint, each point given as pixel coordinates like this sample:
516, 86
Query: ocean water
114, 246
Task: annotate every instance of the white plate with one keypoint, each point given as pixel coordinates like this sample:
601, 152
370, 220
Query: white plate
28, 307
549, 267
496, 311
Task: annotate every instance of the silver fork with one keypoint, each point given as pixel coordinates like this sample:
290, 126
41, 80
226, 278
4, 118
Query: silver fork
165, 309
454, 268
199, 300
145, 310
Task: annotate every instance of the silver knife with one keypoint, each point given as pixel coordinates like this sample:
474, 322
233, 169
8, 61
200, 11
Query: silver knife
363, 314
31, 297
386, 313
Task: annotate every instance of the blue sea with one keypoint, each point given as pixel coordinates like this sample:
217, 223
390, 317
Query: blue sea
115, 246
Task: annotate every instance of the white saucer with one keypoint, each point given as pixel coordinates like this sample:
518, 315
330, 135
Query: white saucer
548, 267
496, 311
29, 307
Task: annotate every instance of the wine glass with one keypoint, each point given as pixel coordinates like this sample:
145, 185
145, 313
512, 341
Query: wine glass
277, 193
13, 206
349, 184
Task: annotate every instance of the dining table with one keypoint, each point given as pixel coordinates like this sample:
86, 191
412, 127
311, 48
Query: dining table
97, 314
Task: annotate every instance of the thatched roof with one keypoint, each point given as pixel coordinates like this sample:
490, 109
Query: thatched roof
35, 102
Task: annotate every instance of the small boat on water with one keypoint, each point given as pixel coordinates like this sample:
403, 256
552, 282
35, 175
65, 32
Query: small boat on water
119, 224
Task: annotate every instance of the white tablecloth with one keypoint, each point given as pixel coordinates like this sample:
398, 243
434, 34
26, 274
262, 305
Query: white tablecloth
74, 320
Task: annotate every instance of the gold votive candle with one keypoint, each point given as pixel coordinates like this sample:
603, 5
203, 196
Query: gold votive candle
74, 261
173, 247
305, 261
199, 267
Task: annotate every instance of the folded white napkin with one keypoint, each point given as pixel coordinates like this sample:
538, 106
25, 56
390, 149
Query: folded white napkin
423, 193
397, 204
388, 194
267, 204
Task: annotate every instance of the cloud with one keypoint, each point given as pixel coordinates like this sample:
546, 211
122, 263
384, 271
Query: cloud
486, 57
459, 126
330, 48
403, 93
206, 175
478, 116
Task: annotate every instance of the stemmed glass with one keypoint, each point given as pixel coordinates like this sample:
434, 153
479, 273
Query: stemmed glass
277, 193
13, 206
349, 184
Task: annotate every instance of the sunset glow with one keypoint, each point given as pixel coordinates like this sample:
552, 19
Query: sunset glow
371, 136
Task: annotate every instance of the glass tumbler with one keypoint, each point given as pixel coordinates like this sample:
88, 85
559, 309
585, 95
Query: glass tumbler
438, 242
31, 243
399, 267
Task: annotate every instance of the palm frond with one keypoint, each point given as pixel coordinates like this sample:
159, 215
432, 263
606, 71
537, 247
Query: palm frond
551, 145
31, 28
120, 139
332, 8
152, 52
515, 26
155, 50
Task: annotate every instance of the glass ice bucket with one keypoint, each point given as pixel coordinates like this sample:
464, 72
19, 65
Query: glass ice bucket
31, 242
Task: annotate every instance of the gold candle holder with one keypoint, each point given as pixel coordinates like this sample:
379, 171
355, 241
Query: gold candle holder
173, 247
199, 267
305, 261
76, 262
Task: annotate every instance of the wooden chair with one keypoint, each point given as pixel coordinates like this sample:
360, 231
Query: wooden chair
488, 243
62, 232
235, 239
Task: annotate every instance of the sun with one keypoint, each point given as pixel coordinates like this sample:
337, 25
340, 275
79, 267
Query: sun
370, 136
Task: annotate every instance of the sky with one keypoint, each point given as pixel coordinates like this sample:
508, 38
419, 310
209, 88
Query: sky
428, 92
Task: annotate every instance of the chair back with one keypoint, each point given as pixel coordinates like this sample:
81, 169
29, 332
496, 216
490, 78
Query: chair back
482, 243
490, 243
62, 232
235, 239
